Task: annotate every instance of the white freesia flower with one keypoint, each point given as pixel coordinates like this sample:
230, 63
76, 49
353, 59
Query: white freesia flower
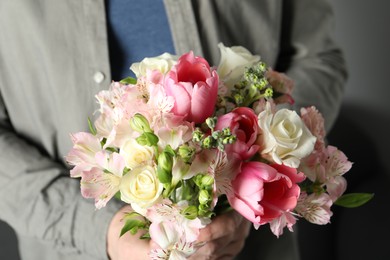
136, 154
234, 60
162, 63
285, 139
141, 188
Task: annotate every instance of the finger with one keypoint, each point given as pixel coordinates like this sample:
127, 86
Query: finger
229, 245
236, 241
220, 226
231, 250
219, 249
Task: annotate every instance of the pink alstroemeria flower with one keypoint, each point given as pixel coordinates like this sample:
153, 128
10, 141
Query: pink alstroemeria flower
315, 208
101, 183
282, 85
82, 155
315, 122
194, 86
327, 166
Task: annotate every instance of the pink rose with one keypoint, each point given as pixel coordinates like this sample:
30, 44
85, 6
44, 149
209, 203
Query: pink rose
242, 122
194, 86
263, 192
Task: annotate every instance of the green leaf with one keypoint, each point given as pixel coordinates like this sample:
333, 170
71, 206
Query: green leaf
145, 236
92, 129
112, 149
118, 196
103, 142
128, 81
132, 225
353, 200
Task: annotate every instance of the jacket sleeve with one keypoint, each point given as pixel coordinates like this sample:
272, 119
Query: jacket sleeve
310, 56
39, 200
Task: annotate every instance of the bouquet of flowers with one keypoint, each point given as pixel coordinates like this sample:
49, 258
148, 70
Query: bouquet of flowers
184, 141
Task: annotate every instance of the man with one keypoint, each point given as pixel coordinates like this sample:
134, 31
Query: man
55, 56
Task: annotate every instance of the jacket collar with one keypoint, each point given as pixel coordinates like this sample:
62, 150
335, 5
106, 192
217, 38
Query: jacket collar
183, 26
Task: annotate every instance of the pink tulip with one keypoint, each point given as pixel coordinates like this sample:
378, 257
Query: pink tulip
242, 122
263, 193
194, 86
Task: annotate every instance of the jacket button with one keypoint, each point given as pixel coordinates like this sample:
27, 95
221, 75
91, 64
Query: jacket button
98, 77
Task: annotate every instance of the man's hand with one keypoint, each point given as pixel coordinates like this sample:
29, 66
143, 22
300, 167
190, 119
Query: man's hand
128, 246
224, 237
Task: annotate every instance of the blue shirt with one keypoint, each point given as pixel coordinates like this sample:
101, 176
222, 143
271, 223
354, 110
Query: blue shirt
136, 29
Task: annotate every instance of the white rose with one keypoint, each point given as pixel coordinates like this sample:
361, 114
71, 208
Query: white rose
233, 62
285, 138
162, 63
141, 187
136, 154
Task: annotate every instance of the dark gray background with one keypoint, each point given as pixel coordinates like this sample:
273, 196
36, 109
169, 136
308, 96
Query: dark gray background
362, 132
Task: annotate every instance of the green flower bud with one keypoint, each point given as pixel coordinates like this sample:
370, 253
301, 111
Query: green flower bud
140, 124
232, 139
165, 161
211, 122
226, 140
238, 98
163, 175
226, 131
197, 135
207, 180
165, 164
186, 152
198, 180
263, 83
207, 142
191, 212
262, 67
268, 93
216, 134
148, 139
204, 197
204, 210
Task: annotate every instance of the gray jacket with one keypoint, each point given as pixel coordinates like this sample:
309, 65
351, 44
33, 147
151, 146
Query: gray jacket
54, 59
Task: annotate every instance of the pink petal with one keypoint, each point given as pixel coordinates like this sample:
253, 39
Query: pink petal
182, 98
